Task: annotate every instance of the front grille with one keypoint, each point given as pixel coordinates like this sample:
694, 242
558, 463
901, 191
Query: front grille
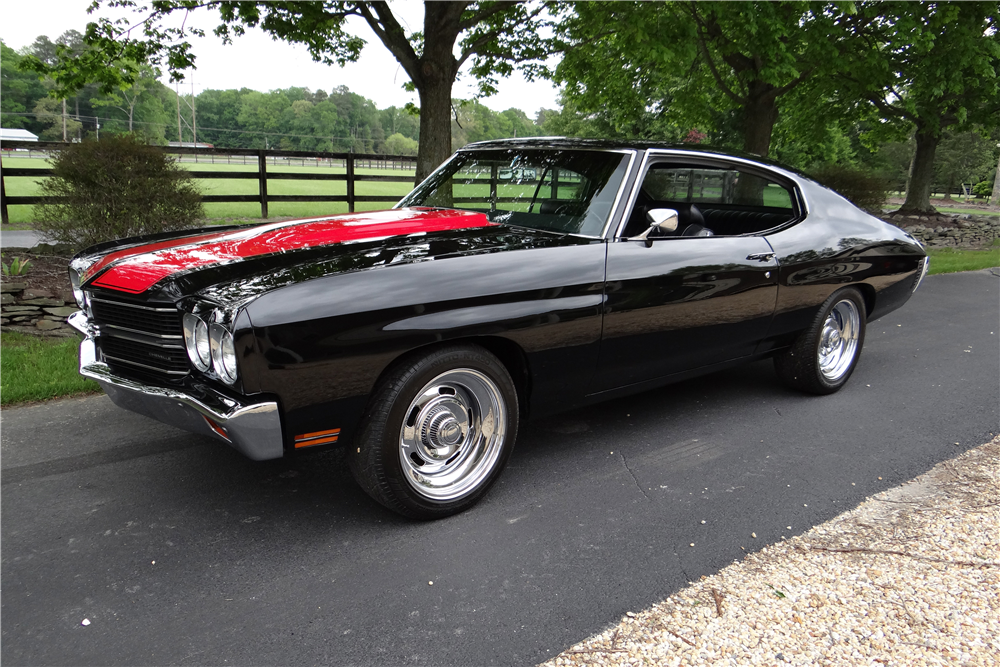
169, 360
159, 320
141, 340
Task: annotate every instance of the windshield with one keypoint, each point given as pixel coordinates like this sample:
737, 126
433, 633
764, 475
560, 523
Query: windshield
553, 190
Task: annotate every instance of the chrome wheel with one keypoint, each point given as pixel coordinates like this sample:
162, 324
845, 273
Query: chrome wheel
838, 340
452, 434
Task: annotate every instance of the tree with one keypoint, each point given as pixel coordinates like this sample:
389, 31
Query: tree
711, 64
49, 112
496, 36
126, 99
397, 144
927, 68
963, 157
21, 91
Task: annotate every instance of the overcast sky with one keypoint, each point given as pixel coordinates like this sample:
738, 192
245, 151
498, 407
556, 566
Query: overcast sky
256, 61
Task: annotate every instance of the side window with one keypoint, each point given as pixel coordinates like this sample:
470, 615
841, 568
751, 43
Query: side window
729, 202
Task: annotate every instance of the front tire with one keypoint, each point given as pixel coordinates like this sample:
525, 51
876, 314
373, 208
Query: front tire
822, 358
437, 433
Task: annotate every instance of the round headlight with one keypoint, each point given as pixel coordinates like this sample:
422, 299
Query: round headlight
196, 340
74, 280
223, 353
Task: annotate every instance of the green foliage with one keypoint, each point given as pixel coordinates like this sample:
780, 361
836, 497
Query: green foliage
963, 157
17, 266
36, 369
725, 68
496, 35
928, 65
982, 189
113, 188
397, 144
21, 91
476, 122
864, 189
923, 68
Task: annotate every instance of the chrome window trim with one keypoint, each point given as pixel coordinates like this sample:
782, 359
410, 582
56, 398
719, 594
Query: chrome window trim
800, 198
618, 197
636, 186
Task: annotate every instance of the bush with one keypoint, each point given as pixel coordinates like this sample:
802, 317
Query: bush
112, 188
864, 189
982, 189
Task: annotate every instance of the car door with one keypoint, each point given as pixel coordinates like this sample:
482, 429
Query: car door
683, 301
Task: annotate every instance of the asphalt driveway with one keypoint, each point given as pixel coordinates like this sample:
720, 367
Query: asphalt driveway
179, 551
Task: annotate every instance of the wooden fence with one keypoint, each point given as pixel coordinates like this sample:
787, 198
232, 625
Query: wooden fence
351, 161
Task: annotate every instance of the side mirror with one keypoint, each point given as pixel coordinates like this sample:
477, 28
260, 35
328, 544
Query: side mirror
661, 221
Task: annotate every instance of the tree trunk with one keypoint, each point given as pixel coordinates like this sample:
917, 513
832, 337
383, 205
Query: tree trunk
918, 185
759, 116
435, 126
435, 76
995, 198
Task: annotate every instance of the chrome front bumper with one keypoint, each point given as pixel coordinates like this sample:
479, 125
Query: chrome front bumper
250, 427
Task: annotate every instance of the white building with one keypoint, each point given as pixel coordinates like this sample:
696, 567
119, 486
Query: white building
10, 134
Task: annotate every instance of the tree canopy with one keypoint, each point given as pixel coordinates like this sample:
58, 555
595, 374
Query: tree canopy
924, 68
727, 67
495, 36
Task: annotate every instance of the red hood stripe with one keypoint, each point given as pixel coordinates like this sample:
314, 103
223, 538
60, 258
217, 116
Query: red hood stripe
137, 269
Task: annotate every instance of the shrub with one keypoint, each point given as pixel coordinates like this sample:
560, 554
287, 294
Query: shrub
115, 187
864, 189
982, 189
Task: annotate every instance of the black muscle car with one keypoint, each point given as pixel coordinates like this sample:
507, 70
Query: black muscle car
521, 278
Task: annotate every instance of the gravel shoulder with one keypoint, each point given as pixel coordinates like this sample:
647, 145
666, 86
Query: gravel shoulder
909, 577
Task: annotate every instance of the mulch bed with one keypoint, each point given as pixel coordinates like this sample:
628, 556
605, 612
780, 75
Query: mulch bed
47, 272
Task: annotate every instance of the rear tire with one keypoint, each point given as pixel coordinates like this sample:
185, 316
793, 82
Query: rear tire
822, 358
437, 433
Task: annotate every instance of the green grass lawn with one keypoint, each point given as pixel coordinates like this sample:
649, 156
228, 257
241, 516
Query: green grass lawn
971, 210
951, 260
34, 369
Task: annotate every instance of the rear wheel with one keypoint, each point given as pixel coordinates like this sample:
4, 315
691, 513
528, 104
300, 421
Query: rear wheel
437, 433
823, 356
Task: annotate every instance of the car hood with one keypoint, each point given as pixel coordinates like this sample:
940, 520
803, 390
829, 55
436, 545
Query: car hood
233, 266
136, 269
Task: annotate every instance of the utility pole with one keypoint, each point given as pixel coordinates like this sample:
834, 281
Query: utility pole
180, 138
64, 120
194, 120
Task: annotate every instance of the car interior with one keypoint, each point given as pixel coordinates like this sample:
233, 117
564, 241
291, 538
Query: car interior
710, 201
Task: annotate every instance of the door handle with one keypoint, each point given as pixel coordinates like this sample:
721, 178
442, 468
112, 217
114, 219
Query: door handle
762, 257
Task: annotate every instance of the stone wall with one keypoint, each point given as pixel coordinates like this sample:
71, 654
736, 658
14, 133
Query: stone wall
34, 310
965, 231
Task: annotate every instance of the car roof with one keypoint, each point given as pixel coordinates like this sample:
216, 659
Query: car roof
568, 143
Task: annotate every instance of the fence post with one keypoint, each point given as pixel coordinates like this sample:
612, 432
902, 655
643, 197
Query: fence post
4, 219
350, 184
262, 180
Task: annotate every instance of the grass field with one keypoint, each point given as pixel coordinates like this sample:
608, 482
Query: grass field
971, 209
35, 369
952, 260
26, 186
